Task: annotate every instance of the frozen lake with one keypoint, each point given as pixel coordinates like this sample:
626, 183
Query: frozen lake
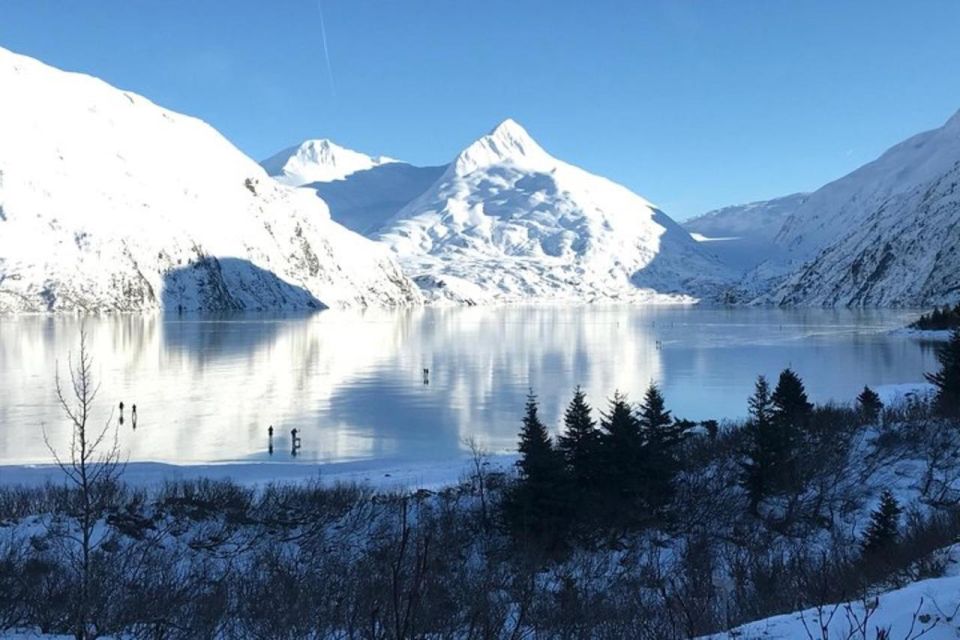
206, 389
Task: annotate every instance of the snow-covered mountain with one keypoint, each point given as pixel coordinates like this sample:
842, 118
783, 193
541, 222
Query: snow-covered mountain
886, 234
905, 252
508, 222
109, 202
362, 191
840, 207
318, 161
743, 236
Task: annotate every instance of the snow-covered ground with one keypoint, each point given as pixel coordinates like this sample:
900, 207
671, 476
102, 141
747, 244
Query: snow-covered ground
927, 609
382, 474
893, 395
110, 202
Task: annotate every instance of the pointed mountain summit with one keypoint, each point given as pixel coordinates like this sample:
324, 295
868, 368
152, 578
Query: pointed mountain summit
507, 143
319, 160
509, 222
101, 210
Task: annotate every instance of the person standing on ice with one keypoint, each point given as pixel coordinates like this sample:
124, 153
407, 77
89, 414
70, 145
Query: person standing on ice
294, 441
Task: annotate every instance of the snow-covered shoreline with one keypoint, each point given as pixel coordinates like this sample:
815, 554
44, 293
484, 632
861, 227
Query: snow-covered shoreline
922, 334
382, 474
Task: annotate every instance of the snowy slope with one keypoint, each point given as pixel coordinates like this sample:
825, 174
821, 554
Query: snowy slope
361, 191
923, 609
508, 222
886, 234
109, 202
840, 207
318, 161
906, 252
742, 236
365, 200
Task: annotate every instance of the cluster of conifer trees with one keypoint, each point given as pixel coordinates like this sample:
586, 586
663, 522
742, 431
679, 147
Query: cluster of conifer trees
620, 472
942, 319
617, 472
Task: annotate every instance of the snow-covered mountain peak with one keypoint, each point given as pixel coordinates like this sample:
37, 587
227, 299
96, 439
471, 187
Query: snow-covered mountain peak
320, 160
508, 222
101, 210
507, 143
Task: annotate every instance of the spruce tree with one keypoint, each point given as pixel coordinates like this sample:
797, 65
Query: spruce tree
537, 456
884, 529
660, 435
947, 380
657, 427
768, 450
869, 405
621, 449
790, 405
536, 505
580, 440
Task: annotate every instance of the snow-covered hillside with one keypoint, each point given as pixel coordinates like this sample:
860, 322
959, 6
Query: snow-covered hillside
927, 609
362, 191
906, 252
365, 200
841, 207
742, 236
886, 234
508, 222
109, 202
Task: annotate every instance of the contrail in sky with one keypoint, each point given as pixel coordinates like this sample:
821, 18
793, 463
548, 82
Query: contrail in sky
326, 52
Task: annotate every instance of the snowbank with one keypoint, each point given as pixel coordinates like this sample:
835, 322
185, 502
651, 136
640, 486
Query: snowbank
928, 607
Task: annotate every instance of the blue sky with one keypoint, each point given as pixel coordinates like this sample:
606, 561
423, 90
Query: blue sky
692, 104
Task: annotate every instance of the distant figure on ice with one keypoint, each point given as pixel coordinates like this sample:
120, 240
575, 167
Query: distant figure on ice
133, 416
121, 412
294, 442
270, 440
426, 376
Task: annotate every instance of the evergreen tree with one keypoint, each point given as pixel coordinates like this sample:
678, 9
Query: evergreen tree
884, 529
660, 435
768, 453
580, 440
537, 456
621, 453
869, 404
760, 405
947, 380
790, 405
536, 506
656, 426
